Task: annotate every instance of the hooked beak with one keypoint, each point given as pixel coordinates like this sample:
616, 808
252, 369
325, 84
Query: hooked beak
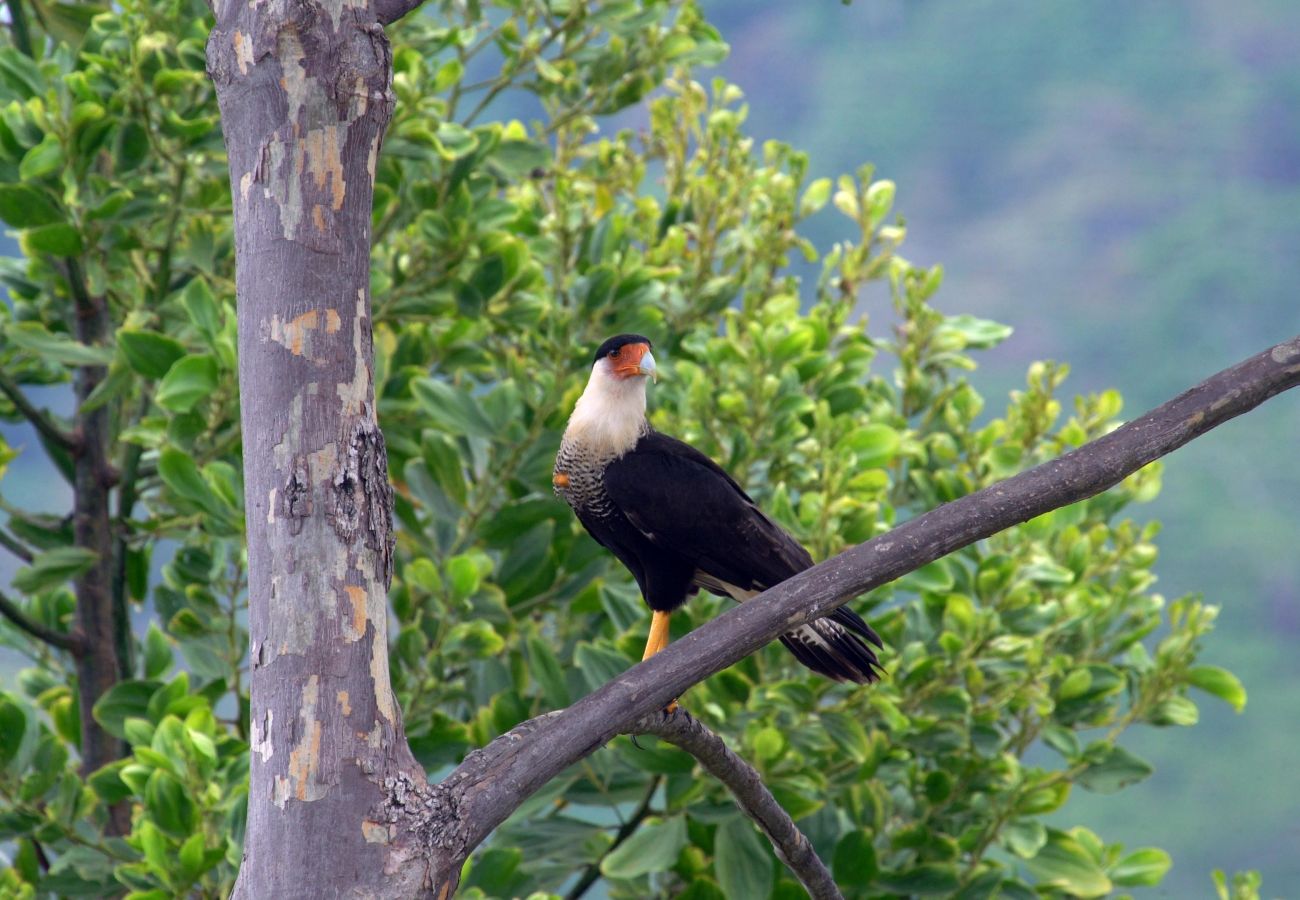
647, 366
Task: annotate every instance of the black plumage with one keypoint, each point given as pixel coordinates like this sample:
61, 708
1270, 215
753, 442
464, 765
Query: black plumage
679, 523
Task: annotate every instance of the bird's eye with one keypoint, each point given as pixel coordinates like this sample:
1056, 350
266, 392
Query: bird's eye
613, 354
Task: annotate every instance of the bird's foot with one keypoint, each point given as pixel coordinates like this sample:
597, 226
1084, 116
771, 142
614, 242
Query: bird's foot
670, 708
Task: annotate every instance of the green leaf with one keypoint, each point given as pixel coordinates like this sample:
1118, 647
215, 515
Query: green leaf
518, 158
124, 699
1064, 863
876, 445
854, 862
170, 805
979, 334
178, 472
148, 352
13, 725
454, 410
26, 207
653, 847
477, 638
1219, 682
20, 74
53, 568
1025, 837
924, 879
1141, 868
59, 348
191, 856
59, 239
154, 846
936, 577
741, 860
1117, 769
187, 382
545, 667
455, 140
157, 652
1175, 711
815, 197
202, 308
599, 664
45, 158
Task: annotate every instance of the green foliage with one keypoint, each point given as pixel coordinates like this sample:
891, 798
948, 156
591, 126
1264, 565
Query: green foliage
503, 252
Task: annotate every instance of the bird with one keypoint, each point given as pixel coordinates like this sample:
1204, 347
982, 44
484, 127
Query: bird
678, 522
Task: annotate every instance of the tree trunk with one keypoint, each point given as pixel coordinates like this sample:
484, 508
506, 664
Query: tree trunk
304, 95
102, 625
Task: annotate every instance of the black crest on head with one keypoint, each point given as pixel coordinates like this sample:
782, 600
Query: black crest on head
619, 341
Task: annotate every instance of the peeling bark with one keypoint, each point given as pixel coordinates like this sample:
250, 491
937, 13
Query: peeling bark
304, 94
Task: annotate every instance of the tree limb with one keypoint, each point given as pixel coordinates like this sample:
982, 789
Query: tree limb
73, 643
389, 11
752, 796
15, 546
40, 419
492, 782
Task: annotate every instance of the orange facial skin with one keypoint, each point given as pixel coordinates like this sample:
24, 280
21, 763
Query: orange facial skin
626, 360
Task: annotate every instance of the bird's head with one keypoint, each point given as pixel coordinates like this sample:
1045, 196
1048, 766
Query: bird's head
610, 414
623, 357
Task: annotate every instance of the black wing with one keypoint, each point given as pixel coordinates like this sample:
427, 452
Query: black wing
689, 509
684, 503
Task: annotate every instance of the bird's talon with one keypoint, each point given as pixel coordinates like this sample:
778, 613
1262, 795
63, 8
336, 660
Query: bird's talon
670, 708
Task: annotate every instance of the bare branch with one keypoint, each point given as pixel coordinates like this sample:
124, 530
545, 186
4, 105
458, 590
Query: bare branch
752, 796
73, 643
15, 546
389, 11
492, 782
39, 418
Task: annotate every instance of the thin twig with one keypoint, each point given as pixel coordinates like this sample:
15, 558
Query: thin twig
39, 418
682, 730
592, 873
18, 28
15, 546
73, 643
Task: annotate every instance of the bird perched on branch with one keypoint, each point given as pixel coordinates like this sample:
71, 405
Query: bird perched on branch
679, 522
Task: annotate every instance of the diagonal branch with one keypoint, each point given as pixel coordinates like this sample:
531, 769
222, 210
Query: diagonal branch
752, 796
73, 643
389, 11
39, 418
492, 782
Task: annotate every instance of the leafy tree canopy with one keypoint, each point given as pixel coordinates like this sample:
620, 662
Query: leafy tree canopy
628, 199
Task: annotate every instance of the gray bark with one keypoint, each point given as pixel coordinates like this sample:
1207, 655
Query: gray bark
304, 94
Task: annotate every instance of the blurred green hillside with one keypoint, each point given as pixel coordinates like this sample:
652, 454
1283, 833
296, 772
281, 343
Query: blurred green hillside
1120, 182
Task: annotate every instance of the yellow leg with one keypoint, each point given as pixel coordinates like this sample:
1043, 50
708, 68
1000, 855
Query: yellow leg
658, 634
657, 641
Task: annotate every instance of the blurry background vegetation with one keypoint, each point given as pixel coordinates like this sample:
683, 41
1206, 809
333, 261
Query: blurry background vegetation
1120, 182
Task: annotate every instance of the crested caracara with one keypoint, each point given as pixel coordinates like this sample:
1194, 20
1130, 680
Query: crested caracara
678, 521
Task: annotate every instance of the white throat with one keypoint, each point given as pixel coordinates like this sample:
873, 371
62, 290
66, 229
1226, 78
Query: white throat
609, 417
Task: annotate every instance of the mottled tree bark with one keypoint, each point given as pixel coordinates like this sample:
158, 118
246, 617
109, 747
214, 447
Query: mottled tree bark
304, 93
